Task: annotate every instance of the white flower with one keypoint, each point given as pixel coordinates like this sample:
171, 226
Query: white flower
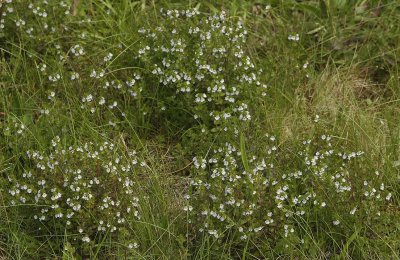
133, 245
294, 37
108, 57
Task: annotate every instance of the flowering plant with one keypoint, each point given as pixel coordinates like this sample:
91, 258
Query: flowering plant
86, 190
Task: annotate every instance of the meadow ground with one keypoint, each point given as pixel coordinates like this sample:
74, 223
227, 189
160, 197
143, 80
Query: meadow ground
199, 129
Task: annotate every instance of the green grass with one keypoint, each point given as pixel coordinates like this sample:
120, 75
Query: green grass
352, 81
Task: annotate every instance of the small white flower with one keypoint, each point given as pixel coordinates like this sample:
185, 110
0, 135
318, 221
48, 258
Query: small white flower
108, 57
133, 245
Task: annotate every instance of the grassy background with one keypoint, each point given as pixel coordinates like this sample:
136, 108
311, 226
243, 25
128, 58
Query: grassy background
351, 82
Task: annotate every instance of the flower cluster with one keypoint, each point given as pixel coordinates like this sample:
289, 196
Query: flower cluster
39, 11
15, 127
198, 63
87, 189
254, 197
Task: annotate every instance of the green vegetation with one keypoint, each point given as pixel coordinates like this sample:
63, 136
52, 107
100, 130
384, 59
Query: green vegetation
199, 129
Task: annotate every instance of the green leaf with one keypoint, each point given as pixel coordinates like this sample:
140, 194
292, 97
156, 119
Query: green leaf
243, 153
68, 252
338, 3
345, 250
324, 9
310, 8
27, 119
361, 8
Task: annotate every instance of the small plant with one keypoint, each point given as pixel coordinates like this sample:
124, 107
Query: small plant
254, 197
86, 191
196, 69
